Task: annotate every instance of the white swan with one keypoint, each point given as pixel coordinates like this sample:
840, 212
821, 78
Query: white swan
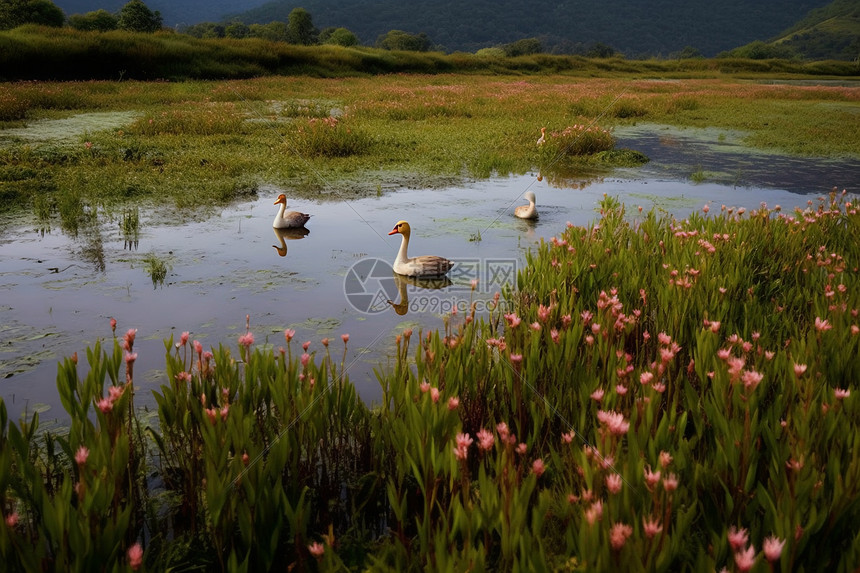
288, 220
423, 266
527, 211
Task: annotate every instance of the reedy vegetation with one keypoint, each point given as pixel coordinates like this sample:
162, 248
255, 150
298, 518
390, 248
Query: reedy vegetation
665, 396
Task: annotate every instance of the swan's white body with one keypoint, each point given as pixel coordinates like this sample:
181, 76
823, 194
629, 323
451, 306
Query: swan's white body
423, 266
527, 211
288, 219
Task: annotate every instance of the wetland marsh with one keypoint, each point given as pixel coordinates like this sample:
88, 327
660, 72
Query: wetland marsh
668, 368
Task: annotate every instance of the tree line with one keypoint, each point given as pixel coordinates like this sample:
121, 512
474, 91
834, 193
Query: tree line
136, 16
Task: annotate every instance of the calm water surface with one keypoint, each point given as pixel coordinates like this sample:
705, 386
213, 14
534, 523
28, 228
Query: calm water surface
59, 292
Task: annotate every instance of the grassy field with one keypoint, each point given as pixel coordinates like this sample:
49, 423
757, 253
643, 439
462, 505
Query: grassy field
195, 143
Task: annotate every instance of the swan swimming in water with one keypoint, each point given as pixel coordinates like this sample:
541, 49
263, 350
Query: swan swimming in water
423, 266
288, 220
527, 211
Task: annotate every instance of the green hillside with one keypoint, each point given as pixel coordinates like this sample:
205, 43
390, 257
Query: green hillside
831, 32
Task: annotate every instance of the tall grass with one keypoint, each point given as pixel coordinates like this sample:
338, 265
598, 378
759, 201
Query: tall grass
663, 396
31, 52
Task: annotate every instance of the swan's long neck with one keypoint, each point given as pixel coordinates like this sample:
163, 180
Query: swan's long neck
280, 215
402, 257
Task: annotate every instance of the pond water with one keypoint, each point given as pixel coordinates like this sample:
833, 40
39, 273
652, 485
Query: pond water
60, 291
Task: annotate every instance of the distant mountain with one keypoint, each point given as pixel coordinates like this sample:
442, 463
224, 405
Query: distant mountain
636, 28
633, 27
174, 12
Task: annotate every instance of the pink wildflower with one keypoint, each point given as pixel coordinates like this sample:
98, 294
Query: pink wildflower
652, 527
305, 359
513, 320
738, 538
424, 387
745, 559
538, 467
665, 458
618, 534
114, 392
822, 325
597, 395
345, 338
12, 519
135, 556
434, 394
651, 478
105, 405
614, 421
289, 334
522, 449
453, 403
81, 456
543, 312
594, 512
503, 430
246, 339
670, 482
613, 483
773, 548
461, 450
485, 439
751, 379
840, 394
799, 369
316, 549
113, 325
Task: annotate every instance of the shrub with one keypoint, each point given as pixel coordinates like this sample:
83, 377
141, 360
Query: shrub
328, 137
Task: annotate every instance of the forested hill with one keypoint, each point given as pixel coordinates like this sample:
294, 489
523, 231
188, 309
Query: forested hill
633, 27
829, 32
176, 13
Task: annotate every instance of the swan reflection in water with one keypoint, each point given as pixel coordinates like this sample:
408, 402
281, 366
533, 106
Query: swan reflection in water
284, 235
403, 282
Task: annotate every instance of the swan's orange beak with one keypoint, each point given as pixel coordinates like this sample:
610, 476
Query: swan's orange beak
395, 231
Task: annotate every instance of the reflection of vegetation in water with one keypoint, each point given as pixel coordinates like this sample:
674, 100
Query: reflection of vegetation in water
130, 226
94, 251
698, 176
157, 268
